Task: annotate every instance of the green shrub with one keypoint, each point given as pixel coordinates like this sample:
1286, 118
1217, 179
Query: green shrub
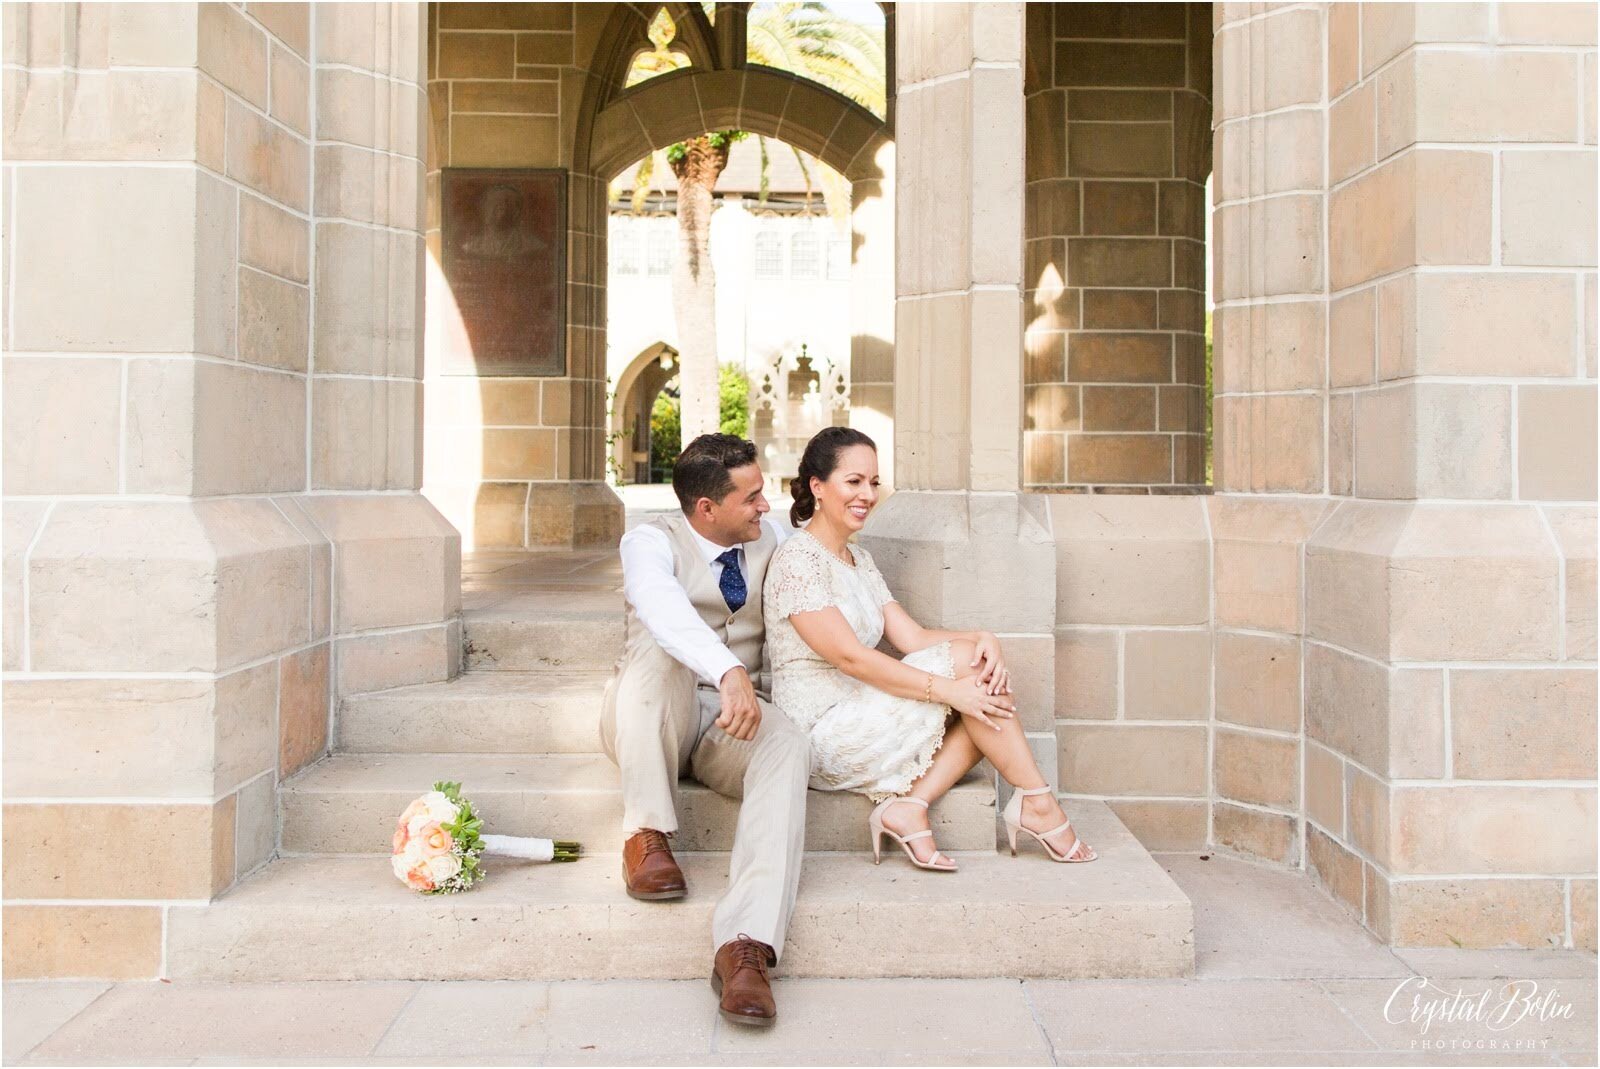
666, 419
666, 434
733, 391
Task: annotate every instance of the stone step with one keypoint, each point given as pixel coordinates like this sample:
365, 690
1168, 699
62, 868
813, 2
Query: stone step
348, 803
347, 918
552, 711
575, 629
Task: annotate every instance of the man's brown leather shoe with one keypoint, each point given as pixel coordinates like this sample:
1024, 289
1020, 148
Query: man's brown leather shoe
739, 976
649, 870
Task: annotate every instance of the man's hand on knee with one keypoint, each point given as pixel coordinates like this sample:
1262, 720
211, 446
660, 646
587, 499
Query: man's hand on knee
741, 713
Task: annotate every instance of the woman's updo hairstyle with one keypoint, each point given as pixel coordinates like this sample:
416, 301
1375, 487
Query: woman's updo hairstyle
819, 459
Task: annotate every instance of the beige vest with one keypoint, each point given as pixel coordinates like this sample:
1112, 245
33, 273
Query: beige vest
743, 632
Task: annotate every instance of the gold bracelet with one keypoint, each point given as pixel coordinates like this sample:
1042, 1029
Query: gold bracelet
927, 695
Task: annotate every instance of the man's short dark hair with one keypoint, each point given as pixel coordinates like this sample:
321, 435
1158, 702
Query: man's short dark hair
702, 468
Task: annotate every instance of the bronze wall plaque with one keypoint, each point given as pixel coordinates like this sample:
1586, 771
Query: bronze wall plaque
505, 257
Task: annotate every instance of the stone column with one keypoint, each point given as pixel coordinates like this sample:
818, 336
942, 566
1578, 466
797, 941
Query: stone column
203, 533
960, 544
366, 352
1269, 326
518, 461
1450, 673
872, 280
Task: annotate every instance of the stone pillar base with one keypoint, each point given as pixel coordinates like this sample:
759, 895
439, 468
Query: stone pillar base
179, 659
1473, 913
145, 694
1450, 719
580, 515
522, 515
1480, 913
396, 589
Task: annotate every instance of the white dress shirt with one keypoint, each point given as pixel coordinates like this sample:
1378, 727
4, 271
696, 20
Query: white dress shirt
663, 605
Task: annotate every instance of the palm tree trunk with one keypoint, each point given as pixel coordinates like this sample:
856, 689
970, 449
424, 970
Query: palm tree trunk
694, 285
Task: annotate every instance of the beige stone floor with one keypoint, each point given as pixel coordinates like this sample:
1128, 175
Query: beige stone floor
1282, 977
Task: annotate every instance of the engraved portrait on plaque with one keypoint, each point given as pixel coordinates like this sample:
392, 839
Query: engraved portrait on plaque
504, 257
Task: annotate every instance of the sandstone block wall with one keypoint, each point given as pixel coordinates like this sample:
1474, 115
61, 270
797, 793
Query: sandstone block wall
1119, 147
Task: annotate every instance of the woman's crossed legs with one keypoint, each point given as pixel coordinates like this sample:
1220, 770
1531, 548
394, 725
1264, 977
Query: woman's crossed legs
964, 745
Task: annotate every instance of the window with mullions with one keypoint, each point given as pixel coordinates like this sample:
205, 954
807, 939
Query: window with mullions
768, 253
660, 59
625, 247
805, 252
662, 244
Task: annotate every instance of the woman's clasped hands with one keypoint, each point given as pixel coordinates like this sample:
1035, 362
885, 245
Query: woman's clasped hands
972, 696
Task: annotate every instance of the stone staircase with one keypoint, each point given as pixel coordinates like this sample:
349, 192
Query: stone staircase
518, 729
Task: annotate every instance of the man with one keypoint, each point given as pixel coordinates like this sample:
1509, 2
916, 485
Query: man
682, 700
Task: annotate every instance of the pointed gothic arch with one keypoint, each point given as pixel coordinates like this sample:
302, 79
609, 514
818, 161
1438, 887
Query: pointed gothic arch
618, 124
631, 404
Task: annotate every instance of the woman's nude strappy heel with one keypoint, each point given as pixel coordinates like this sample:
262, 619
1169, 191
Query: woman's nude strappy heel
875, 823
1013, 819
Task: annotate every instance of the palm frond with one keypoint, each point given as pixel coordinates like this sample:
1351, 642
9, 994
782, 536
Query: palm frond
641, 182
805, 173
817, 43
835, 195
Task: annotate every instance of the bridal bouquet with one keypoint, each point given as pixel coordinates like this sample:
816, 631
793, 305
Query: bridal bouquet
437, 845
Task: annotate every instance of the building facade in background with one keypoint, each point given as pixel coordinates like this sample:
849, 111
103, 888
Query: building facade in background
782, 294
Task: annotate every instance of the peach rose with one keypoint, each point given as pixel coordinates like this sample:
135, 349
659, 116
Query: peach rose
400, 838
435, 841
416, 807
435, 809
417, 879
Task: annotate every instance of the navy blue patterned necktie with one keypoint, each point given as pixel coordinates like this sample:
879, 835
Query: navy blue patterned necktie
732, 581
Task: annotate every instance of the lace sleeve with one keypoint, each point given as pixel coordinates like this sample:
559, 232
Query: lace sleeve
874, 578
797, 581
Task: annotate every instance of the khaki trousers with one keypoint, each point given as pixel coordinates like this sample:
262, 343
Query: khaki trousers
657, 724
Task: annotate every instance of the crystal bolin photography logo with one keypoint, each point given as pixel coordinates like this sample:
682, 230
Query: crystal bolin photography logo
1498, 1009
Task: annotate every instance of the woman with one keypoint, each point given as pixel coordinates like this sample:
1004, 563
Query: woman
902, 732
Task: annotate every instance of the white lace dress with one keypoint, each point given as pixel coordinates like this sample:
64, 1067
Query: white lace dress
862, 739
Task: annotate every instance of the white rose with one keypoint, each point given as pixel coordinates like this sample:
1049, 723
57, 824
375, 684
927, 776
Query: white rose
440, 808
443, 867
400, 865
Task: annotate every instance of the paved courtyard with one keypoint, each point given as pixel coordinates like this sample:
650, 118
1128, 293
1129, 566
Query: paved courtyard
1281, 977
